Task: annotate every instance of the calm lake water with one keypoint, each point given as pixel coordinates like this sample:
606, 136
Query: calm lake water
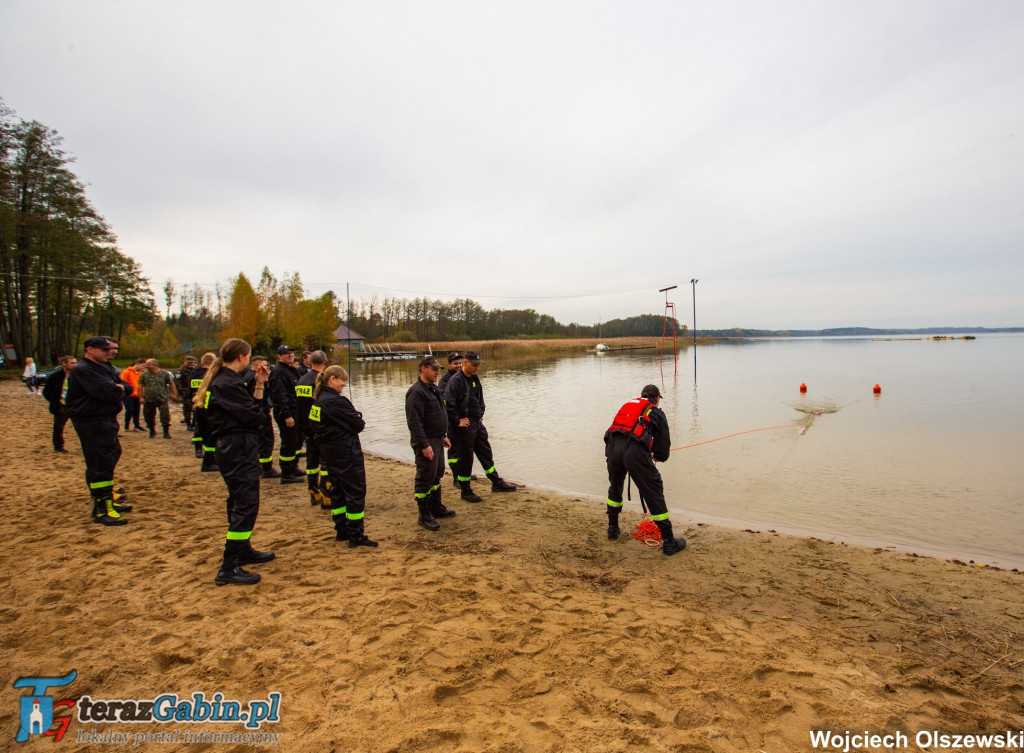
932, 464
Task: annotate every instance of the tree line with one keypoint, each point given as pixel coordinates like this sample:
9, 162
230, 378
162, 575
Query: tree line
61, 273
63, 278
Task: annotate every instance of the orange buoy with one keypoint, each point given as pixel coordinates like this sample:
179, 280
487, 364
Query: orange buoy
803, 388
877, 390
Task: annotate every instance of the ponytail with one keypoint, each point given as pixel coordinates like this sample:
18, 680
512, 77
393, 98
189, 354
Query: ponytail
232, 349
323, 376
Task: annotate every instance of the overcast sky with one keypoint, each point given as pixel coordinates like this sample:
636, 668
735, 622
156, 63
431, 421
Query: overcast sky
813, 164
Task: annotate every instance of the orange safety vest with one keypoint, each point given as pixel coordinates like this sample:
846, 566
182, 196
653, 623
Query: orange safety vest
633, 419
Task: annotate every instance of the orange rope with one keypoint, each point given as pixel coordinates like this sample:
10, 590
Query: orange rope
647, 531
748, 431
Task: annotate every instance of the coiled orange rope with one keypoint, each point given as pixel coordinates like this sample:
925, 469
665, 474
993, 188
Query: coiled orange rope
647, 531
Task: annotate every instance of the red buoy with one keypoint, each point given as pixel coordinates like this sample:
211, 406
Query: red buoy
803, 388
877, 390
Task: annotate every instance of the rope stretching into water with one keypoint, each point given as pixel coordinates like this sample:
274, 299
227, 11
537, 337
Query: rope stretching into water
728, 436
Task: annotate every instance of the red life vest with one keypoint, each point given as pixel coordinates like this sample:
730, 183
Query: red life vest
633, 419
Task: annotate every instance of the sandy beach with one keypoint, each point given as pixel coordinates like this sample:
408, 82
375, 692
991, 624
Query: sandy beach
517, 627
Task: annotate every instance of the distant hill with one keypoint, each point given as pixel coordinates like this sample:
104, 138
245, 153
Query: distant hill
850, 332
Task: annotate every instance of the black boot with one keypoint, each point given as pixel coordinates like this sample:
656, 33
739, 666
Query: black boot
290, 473
613, 526
356, 537
498, 484
437, 508
152, 432
103, 512
197, 446
209, 463
468, 495
669, 544
267, 470
426, 519
167, 432
231, 571
340, 525
250, 556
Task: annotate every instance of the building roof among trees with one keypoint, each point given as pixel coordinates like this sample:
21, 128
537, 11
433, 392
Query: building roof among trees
346, 334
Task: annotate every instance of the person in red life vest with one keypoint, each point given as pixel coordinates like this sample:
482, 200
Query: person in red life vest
233, 420
639, 436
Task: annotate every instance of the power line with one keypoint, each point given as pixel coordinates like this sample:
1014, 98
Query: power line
179, 285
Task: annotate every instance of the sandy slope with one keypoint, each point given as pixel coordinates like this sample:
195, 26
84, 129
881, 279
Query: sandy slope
518, 627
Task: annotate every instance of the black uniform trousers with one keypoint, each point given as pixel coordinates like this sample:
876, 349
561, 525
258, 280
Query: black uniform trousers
60, 418
265, 440
313, 471
186, 410
101, 450
429, 472
131, 411
625, 455
201, 432
346, 478
238, 460
289, 444
472, 440
453, 455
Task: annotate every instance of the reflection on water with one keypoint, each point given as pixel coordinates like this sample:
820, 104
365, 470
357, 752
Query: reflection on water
932, 463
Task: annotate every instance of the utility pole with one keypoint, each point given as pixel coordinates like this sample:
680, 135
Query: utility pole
693, 286
670, 308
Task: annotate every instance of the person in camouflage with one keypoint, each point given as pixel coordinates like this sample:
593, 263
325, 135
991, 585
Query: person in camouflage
156, 389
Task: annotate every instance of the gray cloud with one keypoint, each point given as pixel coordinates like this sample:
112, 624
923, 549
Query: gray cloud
813, 164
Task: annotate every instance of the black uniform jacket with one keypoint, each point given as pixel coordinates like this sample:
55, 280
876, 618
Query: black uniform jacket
249, 380
425, 414
282, 390
335, 420
445, 378
94, 392
304, 396
464, 397
195, 378
659, 431
230, 408
52, 389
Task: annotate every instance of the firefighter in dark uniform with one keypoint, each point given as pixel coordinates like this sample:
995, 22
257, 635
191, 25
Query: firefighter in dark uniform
266, 434
55, 392
304, 403
94, 398
233, 420
183, 381
464, 400
200, 435
428, 427
337, 424
454, 366
637, 437
283, 378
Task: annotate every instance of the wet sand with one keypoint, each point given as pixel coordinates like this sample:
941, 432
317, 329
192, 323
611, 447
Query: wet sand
517, 627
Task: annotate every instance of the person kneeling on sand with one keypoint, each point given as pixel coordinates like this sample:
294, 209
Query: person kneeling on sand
637, 437
234, 420
337, 424
428, 426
